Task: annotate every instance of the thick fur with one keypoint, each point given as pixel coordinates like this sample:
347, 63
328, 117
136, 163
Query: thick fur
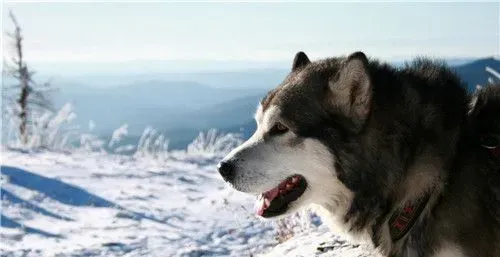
484, 116
369, 138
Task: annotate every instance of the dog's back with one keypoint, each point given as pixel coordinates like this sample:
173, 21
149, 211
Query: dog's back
484, 122
470, 207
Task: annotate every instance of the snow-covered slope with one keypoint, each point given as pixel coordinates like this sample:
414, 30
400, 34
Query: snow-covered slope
322, 243
92, 204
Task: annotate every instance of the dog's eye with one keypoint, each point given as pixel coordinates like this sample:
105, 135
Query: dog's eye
278, 128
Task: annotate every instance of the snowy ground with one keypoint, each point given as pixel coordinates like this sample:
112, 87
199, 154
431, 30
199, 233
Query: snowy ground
307, 244
91, 204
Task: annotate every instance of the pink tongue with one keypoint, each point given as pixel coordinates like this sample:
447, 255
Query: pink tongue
271, 194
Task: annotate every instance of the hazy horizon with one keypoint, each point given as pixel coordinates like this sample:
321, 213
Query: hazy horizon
217, 36
140, 67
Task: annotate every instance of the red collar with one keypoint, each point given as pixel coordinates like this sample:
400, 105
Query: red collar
495, 151
403, 219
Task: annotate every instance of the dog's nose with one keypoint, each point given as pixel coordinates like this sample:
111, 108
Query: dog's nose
226, 170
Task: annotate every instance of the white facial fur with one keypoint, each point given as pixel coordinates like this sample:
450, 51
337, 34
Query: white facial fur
449, 250
262, 164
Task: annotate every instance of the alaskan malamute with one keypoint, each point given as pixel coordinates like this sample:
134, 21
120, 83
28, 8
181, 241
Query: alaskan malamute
390, 155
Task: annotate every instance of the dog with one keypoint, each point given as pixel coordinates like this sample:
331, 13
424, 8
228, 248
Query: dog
385, 155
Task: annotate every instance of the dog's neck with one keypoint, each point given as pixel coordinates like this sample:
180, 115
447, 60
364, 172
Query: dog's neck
403, 223
388, 232
414, 198
403, 219
406, 206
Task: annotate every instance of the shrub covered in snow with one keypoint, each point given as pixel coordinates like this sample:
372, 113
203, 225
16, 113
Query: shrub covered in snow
213, 144
55, 132
47, 130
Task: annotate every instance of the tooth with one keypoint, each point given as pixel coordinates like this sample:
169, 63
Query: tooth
259, 204
267, 202
295, 180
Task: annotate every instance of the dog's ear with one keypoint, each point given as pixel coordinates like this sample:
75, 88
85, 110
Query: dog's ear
300, 61
350, 90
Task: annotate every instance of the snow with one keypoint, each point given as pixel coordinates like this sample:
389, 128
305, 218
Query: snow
97, 204
330, 245
118, 135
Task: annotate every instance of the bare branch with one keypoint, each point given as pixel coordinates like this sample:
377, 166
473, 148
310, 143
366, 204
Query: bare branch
14, 20
31, 96
10, 87
41, 104
44, 90
38, 95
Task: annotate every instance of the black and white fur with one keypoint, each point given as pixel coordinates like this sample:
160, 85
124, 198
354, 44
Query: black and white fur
369, 138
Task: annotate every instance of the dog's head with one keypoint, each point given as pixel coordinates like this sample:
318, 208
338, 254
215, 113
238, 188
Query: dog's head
290, 160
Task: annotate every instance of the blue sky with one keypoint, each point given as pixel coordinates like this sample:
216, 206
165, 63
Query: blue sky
264, 32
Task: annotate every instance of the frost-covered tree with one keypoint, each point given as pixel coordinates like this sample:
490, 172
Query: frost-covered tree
23, 97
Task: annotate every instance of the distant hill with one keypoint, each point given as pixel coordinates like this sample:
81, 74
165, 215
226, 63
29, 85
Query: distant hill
474, 73
246, 129
181, 105
234, 116
236, 111
247, 78
165, 103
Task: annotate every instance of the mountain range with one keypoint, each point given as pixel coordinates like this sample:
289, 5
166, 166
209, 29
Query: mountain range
181, 105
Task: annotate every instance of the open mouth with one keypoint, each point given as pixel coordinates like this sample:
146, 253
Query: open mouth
276, 201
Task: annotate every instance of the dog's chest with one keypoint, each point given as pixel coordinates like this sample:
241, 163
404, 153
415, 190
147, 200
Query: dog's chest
449, 251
